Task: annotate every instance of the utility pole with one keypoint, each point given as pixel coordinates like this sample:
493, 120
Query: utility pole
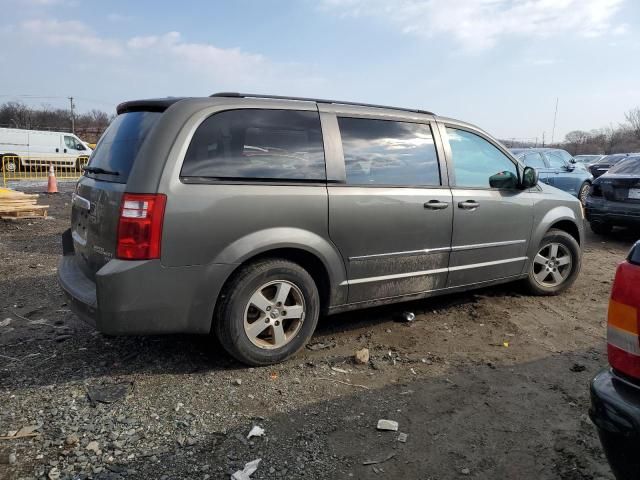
543, 138
555, 116
73, 122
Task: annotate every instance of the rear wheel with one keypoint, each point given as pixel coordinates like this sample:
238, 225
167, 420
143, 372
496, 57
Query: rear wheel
9, 163
601, 228
267, 312
583, 193
556, 265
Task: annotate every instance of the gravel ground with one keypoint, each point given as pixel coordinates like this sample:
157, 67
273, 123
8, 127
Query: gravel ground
489, 384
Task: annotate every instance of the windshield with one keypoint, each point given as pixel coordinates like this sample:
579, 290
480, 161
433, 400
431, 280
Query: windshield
118, 147
628, 166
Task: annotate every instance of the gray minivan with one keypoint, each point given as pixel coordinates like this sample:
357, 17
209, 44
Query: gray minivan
248, 216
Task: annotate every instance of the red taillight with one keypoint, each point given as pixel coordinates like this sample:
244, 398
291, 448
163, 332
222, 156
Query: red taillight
140, 226
623, 323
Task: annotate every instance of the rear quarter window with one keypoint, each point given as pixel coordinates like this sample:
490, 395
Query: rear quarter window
117, 149
257, 144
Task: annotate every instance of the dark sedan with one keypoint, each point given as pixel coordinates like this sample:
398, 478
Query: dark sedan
615, 197
605, 163
558, 168
615, 392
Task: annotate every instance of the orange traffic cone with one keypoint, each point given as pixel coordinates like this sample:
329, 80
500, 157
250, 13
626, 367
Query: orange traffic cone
52, 185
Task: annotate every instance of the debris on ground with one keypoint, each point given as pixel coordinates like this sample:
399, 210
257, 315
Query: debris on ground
27, 431
362, 356
247, 471
408, 316
320, 345
391, 425
465, 471
402, 437
237, 381
339, 370
381, 460
577, 368
256, 431
5, 322
108, 393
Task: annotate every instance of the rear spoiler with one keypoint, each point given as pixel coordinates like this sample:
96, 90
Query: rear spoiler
151, 105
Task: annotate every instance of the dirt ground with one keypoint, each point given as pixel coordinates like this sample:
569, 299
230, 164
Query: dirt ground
489, 384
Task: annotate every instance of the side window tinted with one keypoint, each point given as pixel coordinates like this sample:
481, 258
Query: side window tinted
386, 152
555, 161
475, 160
534, 160
260, 144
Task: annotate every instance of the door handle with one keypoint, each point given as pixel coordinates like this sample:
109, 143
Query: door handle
435, 205
65, 150
468, 205
57, 150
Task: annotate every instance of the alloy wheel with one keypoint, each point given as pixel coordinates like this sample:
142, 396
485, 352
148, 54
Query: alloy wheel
274, 314
552, 265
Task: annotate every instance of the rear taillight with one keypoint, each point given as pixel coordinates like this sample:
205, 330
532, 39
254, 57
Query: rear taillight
623, 328
140, 226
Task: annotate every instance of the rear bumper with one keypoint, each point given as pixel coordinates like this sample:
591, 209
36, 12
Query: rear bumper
615, 410
143, 297
615, 213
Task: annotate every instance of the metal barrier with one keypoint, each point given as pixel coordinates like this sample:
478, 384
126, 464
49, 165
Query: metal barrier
37, 168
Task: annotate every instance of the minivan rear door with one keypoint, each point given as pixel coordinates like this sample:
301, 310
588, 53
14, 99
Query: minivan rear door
96, 202
389, 213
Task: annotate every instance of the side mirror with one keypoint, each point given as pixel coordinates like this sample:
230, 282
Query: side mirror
573, 160
79, 146
503, 180
570, 167
529, 178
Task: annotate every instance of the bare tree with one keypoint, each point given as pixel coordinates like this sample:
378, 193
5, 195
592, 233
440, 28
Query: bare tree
633, 119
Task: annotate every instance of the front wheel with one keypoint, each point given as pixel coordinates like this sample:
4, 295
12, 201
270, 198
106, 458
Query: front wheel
267, 312
583, 193
556, 265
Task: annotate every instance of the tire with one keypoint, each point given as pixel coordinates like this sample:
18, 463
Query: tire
543, 277
583, 193
236, 313
601, 228
10, 163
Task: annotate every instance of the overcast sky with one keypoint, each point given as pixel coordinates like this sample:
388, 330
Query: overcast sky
497, 63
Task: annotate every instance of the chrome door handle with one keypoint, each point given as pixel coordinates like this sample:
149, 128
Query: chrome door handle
435, 205
468, 205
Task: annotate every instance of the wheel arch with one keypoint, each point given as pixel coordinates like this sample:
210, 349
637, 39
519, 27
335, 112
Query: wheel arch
561, 218
312, 252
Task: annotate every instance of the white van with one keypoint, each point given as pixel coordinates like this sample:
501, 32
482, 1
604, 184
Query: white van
21, 149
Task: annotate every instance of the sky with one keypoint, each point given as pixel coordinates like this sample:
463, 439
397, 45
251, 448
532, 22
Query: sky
500, 64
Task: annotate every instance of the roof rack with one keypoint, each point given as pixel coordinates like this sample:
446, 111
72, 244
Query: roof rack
317, 100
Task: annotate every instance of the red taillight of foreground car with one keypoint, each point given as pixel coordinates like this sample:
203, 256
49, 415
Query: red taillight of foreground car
140, 226
623, 323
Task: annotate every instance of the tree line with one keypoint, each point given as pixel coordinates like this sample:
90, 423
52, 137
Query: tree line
623, 138
88, 125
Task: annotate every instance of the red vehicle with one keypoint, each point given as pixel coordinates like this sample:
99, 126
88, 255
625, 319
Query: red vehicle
615, 392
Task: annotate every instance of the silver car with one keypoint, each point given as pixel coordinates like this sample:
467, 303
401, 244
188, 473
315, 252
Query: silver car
249, 216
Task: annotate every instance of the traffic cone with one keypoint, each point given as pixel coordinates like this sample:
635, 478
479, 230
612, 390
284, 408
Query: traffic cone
52, 185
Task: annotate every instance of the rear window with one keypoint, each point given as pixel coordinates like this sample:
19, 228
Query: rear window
257, 144
628, 166
118, 147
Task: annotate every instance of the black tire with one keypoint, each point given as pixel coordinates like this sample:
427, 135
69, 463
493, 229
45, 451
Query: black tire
229, 319
601, 228
584, 192
5, 161
571, 245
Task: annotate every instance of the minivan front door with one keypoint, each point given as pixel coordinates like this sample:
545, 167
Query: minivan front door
391, 216
491, 224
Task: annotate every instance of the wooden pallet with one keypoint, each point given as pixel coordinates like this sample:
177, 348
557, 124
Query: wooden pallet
15, 205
